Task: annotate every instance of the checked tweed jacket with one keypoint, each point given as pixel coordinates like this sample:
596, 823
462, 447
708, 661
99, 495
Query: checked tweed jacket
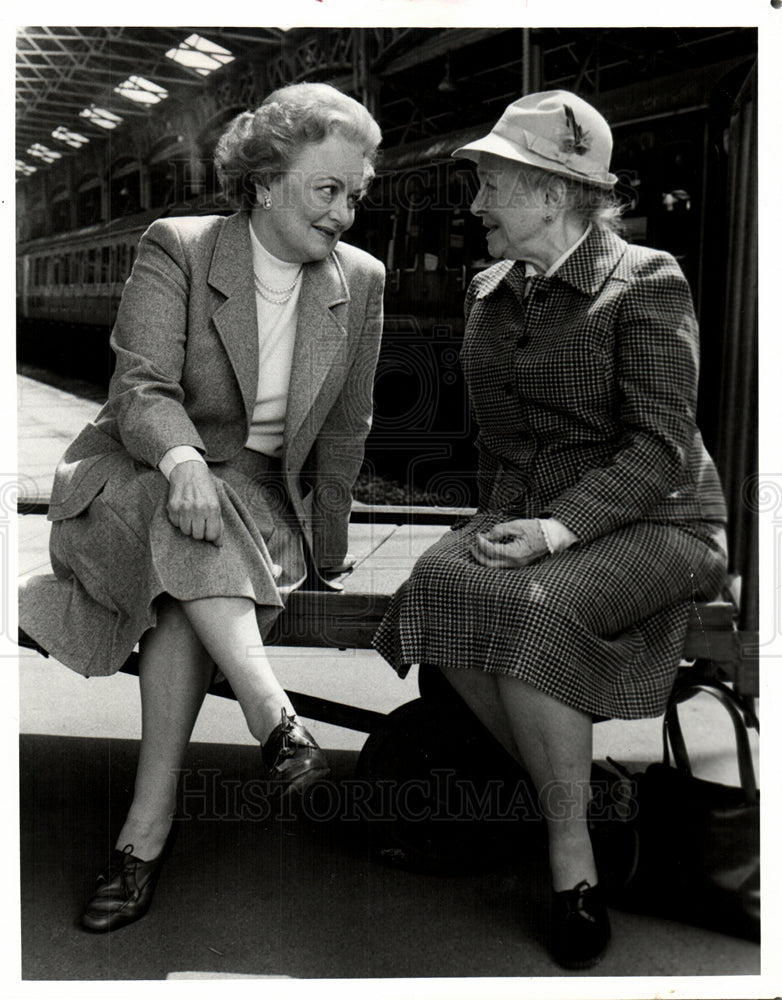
585, 391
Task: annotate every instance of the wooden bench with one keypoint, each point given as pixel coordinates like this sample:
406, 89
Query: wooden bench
715, 646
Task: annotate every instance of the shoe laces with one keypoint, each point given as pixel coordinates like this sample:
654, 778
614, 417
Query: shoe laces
287, 748
125, 868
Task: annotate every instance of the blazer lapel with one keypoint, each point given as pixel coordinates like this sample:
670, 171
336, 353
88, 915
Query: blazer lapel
320, 338
236, 319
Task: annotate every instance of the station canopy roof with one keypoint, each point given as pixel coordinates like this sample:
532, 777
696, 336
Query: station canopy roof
74, 84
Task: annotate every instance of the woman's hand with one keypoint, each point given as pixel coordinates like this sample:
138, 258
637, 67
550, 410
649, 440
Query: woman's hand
193, 503
510, 545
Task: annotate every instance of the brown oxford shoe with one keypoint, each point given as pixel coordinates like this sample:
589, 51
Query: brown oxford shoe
124, 890
293, 759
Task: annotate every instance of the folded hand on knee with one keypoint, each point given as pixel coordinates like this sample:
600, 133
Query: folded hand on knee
510, 544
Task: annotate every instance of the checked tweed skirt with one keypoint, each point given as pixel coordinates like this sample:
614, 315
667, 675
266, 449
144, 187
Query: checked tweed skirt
599, 627
112, 561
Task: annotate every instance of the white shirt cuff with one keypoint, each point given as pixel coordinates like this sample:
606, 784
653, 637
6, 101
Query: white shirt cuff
178, 454
558, 537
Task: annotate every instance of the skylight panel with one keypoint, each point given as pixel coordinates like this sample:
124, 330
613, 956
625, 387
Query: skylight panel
73, 139
25, 169
43, 152
100, 116
141, 90
200, 54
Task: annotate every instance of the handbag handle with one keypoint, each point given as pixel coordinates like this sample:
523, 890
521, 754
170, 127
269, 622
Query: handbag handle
672, 733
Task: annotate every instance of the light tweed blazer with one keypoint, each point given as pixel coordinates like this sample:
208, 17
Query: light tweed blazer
186, 343
585, 391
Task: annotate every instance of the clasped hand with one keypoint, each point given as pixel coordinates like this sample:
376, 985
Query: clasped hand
193, 502
510, 545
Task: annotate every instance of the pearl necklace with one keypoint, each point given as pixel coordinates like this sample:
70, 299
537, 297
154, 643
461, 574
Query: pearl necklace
277, 296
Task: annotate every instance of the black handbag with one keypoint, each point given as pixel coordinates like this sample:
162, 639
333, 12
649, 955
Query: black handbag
676, 846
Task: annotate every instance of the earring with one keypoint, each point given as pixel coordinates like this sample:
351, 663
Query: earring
548, 218
267, 202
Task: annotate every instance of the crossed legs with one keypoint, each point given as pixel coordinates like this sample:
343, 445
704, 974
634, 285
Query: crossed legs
553, 742
175, 667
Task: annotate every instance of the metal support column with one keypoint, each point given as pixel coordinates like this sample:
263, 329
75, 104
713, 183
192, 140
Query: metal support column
364, 85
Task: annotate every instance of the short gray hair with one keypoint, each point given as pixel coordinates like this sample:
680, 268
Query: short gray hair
592, 204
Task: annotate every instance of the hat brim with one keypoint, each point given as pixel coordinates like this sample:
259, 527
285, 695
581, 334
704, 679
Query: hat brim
495, 144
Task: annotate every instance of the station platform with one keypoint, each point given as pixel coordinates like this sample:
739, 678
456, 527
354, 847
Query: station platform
294, 899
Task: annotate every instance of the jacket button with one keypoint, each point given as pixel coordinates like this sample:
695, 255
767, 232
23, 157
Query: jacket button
523, 340
508, 387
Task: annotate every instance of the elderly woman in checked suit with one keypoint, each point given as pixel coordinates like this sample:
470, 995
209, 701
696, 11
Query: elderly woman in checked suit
218, 474
600, 514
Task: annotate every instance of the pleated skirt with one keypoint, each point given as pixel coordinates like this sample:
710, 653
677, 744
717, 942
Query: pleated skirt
599, 627
115, 559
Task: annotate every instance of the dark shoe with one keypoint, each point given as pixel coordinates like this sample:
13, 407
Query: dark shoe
292, 757
580, 930
124, 891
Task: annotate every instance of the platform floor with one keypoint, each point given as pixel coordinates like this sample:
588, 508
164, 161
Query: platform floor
301, 899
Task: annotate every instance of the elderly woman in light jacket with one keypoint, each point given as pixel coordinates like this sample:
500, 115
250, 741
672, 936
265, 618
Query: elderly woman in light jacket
218, 474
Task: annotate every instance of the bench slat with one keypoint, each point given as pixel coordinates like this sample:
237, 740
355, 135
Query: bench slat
388, 539
329, 620
350, 620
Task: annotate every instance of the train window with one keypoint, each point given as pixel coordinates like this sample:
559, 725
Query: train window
168, 179
204, 183
125, 189
124, 259
373, 228
465, 237
60, 208
89, 270
88, 202
117, 260
76, 267
434, 230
